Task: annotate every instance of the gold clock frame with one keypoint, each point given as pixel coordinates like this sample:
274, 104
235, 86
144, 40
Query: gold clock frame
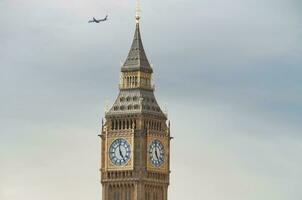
164, 168
129, 165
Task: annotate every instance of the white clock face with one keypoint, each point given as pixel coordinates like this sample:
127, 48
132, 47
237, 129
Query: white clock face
157, 153
120, 152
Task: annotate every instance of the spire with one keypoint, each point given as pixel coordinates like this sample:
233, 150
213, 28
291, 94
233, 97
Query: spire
137, 59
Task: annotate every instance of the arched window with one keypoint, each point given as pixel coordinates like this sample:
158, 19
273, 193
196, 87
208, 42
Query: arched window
128, 193
135, 81
131, 81
116, 195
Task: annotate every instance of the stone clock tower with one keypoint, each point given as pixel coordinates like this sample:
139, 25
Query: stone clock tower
135, 137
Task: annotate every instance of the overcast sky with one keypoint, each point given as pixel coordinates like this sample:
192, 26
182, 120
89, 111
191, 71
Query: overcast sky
227, 71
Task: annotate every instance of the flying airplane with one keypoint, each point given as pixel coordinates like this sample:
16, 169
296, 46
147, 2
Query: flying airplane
98, 20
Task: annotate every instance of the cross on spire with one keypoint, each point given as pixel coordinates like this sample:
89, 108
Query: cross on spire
138, 11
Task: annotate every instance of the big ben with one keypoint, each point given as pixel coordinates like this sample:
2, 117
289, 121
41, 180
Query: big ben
135, 137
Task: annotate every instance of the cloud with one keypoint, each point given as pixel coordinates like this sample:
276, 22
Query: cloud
232, 68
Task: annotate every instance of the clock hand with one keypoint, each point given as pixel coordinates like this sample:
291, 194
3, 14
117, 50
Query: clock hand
156, 154
121, 153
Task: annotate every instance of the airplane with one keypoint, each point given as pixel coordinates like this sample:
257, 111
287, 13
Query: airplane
98, 20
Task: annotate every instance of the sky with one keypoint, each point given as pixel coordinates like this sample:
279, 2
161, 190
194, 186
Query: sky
228, 72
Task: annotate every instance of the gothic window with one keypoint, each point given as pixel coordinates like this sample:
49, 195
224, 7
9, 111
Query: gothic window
130, 107
135, 98
116, 195
122, 107
128, 194
114, 124
128, 99
135, 81
122, 99
131, 81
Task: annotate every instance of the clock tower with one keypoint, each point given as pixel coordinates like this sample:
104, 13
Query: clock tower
135, 137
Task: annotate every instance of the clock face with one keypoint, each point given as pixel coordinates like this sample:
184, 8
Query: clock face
120, 152
157, 153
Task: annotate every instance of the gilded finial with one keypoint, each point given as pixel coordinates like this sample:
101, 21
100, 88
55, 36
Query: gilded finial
138, 11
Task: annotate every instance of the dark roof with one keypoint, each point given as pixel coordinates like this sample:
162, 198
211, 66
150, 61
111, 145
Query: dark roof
137, 59
136, 101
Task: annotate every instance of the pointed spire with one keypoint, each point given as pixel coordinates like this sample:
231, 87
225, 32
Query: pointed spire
137, 59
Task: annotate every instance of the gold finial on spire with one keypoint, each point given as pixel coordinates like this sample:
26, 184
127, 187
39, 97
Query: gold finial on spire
138, 11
